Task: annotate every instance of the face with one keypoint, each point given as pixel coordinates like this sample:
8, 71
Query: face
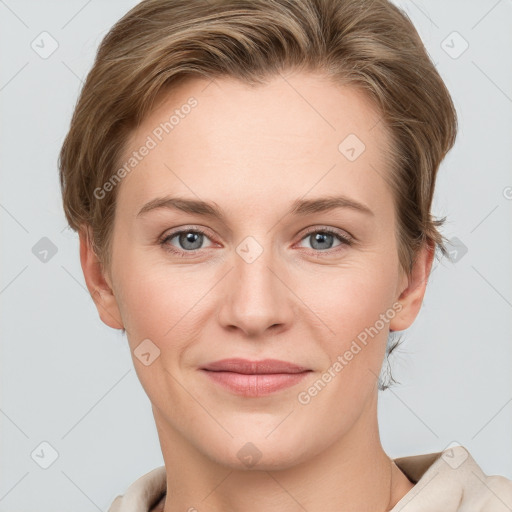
268, 269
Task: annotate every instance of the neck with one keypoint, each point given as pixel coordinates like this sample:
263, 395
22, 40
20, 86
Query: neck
353, 473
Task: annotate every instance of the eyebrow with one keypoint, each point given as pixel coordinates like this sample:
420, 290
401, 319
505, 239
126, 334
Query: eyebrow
299, 207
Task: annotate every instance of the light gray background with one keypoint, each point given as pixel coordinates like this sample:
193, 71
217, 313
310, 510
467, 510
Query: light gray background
68, 379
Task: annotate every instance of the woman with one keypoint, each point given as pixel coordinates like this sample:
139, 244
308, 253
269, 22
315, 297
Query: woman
252, 183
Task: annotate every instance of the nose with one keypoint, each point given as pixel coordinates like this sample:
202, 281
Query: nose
257, 297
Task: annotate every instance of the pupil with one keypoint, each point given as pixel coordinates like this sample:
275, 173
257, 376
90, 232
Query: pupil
321, 238
190, 238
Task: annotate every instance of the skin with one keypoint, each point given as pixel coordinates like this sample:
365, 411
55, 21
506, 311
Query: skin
253, 151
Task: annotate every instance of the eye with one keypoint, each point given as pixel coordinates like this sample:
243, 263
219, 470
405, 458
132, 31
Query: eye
188, 240
322, 240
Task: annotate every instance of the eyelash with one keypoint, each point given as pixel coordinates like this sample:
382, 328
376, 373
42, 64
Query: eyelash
345, 241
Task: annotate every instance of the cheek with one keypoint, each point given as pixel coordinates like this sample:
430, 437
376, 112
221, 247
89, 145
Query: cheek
154, 302
164, 302
158, 305
351, 299
351, 304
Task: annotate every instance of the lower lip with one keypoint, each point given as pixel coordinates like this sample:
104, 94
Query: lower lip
255, 385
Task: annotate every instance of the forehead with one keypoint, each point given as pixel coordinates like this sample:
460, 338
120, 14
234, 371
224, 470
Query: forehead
227, 134
300, 105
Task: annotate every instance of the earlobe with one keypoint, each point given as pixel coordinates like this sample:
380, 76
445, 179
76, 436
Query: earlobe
97, 282
411, 298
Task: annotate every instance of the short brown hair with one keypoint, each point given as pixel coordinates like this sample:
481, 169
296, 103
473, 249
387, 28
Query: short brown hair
369, 44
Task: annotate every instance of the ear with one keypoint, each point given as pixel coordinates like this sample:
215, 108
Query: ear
411, 297
98, 282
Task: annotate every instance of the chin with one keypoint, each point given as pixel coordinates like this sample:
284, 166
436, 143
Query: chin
257, 453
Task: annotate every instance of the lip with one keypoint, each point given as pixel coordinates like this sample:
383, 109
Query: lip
245, 366
255, 378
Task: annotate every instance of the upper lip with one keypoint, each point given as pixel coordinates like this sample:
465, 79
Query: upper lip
265, 366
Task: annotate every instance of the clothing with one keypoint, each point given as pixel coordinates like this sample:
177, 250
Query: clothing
447, 481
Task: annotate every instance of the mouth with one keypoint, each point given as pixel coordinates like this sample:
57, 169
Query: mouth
255, 378
245, 366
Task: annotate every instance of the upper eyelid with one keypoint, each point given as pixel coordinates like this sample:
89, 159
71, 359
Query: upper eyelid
179, 231
331, 230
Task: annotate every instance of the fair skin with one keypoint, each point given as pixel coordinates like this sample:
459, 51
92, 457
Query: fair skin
252, 152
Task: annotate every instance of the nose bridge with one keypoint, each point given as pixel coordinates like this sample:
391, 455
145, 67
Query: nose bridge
255, 297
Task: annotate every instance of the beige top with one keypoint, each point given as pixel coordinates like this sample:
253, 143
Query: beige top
447, 481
